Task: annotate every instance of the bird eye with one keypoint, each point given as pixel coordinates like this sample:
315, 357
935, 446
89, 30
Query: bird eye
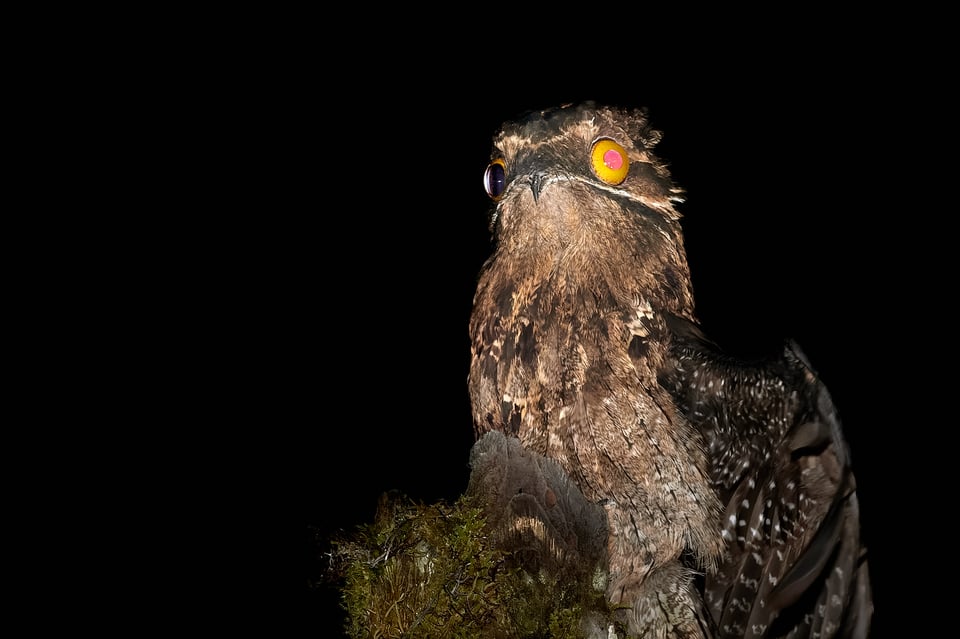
609, 161
495, 178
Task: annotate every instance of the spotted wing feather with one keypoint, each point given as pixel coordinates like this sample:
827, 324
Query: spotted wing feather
794, 564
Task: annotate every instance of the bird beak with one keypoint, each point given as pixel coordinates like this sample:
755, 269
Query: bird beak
537, 181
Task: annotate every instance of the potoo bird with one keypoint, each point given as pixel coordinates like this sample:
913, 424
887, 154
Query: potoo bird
727, 487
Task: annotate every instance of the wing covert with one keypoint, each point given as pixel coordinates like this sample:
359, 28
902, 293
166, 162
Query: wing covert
794, 564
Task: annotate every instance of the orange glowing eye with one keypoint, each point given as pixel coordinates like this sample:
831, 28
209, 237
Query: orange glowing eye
609, 161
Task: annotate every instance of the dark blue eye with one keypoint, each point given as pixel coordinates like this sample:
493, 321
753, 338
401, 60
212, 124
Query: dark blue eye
495, 179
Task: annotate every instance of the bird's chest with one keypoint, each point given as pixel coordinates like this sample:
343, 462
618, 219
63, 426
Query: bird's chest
567, 371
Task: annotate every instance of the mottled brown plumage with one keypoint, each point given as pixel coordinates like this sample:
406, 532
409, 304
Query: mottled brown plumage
585, 346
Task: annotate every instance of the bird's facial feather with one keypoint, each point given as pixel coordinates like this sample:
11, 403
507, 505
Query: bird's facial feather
594, 150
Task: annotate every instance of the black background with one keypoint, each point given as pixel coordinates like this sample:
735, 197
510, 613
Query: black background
799, 172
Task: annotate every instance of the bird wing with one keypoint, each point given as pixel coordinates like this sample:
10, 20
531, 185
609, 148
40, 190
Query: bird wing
794, 564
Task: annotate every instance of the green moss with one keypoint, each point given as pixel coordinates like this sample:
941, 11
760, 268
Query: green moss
428, 571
